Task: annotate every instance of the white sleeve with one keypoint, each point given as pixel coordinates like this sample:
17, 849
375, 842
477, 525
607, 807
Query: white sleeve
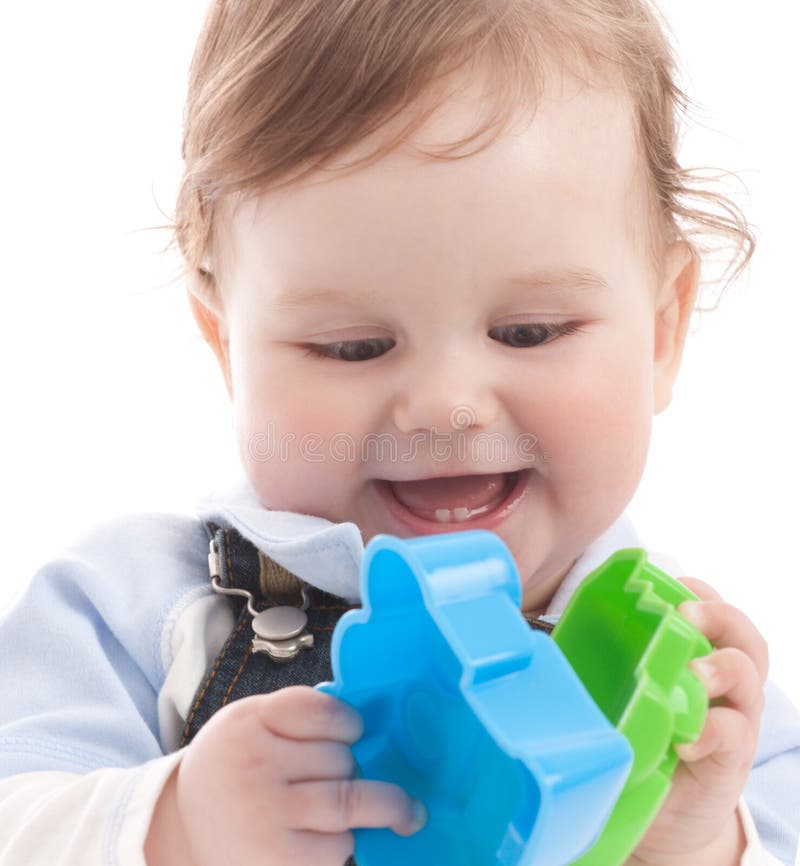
67, 819
754, 854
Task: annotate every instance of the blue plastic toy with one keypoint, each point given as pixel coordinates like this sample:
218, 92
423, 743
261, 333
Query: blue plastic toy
470, 711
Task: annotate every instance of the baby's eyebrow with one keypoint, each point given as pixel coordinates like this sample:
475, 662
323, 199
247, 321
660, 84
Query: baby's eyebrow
575, 279
313, 297
578, 280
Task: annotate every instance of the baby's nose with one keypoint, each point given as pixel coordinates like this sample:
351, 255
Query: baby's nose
445, 404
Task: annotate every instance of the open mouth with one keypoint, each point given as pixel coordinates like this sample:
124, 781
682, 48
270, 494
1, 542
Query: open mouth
457, 502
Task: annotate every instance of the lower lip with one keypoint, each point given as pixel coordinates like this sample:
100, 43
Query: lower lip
490, 520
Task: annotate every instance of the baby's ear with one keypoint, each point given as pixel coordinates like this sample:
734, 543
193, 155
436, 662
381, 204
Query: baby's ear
209, 313
677, 293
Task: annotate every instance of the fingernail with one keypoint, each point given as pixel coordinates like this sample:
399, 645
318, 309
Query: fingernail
705, 670
685, 751
693, 611
419, 815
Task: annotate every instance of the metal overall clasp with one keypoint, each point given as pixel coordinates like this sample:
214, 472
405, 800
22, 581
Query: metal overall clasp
279, 631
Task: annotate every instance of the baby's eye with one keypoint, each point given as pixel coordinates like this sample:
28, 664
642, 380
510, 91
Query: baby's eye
527, 335
354, 350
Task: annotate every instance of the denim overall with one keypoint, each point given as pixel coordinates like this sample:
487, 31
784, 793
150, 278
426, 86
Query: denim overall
238, 672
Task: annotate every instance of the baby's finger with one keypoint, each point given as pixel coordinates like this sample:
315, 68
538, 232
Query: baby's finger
320, 849
307, 761
303, 713
730, 674
726, 626
333, 807
727, 739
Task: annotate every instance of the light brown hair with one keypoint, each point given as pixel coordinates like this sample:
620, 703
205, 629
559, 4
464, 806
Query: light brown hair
279, 88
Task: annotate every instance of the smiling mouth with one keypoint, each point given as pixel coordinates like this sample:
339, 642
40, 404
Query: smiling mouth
474, 501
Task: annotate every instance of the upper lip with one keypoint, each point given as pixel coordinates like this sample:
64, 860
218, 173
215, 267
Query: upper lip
454, 474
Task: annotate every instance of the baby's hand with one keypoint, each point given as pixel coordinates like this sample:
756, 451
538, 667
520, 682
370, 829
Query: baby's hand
270, 780
698, 823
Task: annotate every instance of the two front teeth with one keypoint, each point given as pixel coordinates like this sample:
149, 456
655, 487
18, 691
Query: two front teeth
456, 515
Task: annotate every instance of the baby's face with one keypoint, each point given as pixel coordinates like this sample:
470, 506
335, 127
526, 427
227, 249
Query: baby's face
493, 317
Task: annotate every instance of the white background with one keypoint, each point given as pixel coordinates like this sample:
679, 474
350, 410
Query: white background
112, 402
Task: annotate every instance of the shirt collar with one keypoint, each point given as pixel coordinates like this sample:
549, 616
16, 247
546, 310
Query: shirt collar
325, 554
328, 555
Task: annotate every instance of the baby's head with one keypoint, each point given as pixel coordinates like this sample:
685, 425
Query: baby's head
443, 239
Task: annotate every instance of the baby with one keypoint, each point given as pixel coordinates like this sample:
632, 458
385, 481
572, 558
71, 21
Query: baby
441, 253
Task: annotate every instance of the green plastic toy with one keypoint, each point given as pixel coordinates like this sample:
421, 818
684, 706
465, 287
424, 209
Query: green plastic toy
623, 636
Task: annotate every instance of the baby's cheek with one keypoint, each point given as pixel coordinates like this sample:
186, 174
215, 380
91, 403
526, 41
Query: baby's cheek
299, 450
598, 434
275, 405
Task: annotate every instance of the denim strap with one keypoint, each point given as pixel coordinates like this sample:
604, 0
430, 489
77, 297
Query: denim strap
238, 672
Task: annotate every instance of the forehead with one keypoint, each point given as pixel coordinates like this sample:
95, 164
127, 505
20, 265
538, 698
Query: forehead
561, 183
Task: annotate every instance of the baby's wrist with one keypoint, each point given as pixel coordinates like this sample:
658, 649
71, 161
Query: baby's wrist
166, 843
725, 850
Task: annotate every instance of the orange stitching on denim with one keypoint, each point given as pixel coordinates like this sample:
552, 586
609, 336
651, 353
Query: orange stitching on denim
209, 678
238, 674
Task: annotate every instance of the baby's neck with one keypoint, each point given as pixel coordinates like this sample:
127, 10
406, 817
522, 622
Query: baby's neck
537, 602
